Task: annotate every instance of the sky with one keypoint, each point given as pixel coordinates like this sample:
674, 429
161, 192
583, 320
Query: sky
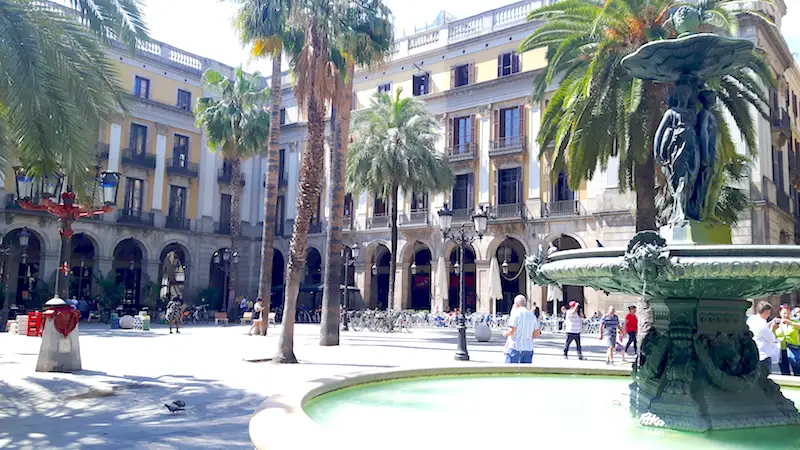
204, 27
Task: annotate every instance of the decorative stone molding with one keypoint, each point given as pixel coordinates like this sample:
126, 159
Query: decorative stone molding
162, 129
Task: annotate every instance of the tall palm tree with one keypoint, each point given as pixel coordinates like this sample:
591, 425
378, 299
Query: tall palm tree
599, 110
394, 149
316, 60
264, 24
57, 86
367, 43
238, 126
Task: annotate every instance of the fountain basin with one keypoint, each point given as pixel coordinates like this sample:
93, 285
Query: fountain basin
471, 407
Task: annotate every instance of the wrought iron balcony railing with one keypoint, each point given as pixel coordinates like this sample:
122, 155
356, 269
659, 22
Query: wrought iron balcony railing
178, 223
378, 221
225, 175
462, 152
507, 145
561, 208
102, 151
508, 211
133, 217
175, 166
223, 228
415, 217
132, 157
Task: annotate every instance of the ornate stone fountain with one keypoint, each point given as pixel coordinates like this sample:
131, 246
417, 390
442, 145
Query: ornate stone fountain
698, 368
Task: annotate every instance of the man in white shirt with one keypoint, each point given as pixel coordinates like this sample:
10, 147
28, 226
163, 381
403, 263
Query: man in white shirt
763, 335
522, 328
572, 324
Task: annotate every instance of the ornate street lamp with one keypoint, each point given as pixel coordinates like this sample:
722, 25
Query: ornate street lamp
462, 238
47, 192
374, 269
414, 268
348, 261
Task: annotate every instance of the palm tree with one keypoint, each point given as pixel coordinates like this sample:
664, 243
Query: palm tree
58, 88
264, 24
316, 52
367, 43
599, 111
235, 124
394, 148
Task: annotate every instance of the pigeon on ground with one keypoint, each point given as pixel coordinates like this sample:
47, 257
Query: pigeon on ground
179, 403
173, 408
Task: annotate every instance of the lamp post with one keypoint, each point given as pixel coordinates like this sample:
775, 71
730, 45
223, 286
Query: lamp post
349, 260
462, 237
224, 259
46, 192
6, 252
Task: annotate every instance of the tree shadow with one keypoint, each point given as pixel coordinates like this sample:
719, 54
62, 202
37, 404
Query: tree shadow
96, 410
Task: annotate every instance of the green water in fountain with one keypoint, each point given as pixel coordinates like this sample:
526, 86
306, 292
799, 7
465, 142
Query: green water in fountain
491, 411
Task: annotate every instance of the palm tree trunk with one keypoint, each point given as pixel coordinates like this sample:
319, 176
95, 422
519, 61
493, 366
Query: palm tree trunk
393, 261
311, 169
236, 229
331, 304
271, 194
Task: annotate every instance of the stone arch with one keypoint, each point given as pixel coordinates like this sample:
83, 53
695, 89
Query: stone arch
83, 264
174, 267
28, 268
44, 241
146, 251
569, 292
278, 279
99, 249
419, 265
470, 272
376, 285
129, 260
510, 255
555, 237
407, 251
368, 250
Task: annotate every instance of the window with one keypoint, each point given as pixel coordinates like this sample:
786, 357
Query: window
282, 174
509, 186
461, 75
280, 215
138, 139
184, 100
508, 127
225, 212
348, 205
134, 193
420, 83
462, 192
777, 169
283, 116
794, 104
385, 88
180, 151
141, 87
419, 202
379, 207
462, 134
507, 64
315, 213
561, 191
177, 202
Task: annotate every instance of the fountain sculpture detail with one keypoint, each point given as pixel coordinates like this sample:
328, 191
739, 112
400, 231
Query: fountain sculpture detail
699, 368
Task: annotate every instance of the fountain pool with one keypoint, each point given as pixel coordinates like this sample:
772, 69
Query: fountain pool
486, 411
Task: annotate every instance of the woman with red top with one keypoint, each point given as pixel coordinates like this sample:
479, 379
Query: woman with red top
631, 326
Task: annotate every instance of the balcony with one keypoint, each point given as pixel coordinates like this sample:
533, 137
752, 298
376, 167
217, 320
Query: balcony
462, 215
781, 125
182, 168
131, 217
223, 228
508, 211
561, 208
225, 175
283, 179
378, 221
130, 157
462, 152
347, 222
783, 200
507, 146
178, 223
315, 228
415, 217
102, 151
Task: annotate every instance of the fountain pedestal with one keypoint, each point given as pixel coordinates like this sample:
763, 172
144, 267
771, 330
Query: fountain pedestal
699, 370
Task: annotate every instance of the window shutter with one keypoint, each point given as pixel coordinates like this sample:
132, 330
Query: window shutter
471, 70
452, 77
471, 191
497, 187
499, 66
522, 132
496, 119
448, 138
514, 63
427, 80
519, 185
473, 138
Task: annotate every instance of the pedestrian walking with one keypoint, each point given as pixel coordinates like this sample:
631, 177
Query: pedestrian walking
174, 311
789, 341
763, 335
522, 329
536, 311
609, 326
572, 323
631, 327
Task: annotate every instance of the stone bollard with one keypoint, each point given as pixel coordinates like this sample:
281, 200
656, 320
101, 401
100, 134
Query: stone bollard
60, 351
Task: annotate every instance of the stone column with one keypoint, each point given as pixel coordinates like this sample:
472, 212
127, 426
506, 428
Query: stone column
484, 304
293, 167
402, 292
483, 118
534, 180
208, 186
160, 174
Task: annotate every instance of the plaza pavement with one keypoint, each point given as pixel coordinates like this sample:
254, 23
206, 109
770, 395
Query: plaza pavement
117, 401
